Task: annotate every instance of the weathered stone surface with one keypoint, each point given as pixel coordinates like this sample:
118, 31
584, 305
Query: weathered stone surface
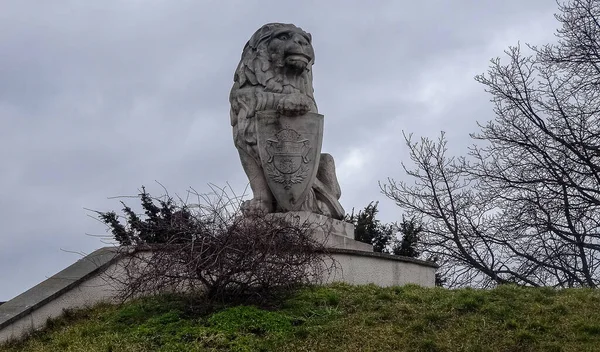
331, 232
77, 286
272, 82
361, 268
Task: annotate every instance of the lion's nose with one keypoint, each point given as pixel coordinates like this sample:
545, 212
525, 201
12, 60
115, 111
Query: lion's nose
298, 39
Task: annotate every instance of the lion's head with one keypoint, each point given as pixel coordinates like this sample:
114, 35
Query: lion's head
278, 58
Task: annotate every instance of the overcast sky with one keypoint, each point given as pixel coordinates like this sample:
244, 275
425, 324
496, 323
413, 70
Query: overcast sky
100, 97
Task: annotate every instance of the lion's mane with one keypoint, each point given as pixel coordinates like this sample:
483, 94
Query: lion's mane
259, 81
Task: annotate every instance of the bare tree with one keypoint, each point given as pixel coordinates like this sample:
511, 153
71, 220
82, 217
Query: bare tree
523, 206
453, 215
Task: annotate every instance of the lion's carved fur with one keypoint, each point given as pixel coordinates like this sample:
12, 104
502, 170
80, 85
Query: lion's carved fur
274, 73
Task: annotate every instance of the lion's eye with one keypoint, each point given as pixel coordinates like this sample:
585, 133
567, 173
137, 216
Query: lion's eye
283, 36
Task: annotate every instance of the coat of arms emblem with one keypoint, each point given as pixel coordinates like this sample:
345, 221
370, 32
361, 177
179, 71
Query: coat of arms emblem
288, 156
290, 149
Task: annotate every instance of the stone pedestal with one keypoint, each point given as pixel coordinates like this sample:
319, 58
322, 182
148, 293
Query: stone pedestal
333, 233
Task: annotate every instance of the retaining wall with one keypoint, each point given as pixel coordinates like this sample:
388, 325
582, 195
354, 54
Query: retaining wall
86, 283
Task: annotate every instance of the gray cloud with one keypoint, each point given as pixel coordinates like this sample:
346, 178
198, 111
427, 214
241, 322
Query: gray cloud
99, 98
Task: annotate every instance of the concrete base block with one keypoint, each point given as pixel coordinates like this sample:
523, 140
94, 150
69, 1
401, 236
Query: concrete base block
333, 233
80, 285
361, 268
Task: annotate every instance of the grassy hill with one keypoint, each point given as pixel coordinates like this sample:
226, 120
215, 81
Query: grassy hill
339, 318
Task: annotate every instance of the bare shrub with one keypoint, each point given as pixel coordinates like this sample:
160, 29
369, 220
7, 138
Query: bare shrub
210, 248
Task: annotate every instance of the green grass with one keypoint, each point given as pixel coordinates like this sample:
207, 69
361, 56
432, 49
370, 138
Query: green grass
339, 318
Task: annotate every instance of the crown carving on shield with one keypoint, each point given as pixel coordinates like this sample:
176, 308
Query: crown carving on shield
288, 142
288, 135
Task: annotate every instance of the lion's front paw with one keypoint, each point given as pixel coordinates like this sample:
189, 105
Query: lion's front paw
294, 104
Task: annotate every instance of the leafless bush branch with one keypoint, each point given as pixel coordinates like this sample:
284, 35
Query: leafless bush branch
210, 248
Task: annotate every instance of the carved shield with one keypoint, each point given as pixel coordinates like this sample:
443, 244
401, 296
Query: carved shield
289, 150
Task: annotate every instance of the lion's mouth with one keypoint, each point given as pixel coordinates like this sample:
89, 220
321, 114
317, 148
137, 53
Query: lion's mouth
298, 57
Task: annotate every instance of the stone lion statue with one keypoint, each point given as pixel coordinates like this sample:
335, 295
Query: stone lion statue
275, 73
